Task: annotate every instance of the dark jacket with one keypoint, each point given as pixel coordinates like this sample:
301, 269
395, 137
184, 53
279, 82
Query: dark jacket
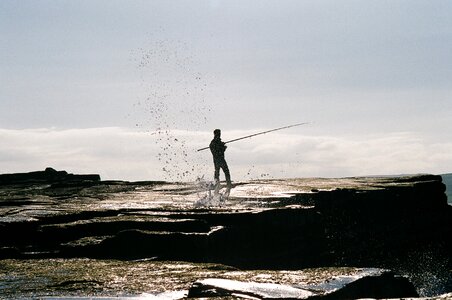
217, 147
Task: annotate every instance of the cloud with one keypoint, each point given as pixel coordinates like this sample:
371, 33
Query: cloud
285, 155
120, 153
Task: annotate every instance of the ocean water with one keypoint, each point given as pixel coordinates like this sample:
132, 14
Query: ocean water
447, 180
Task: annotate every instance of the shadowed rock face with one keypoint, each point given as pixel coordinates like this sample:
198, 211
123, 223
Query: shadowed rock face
384, 222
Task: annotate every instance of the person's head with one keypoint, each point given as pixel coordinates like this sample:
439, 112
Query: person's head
217, 133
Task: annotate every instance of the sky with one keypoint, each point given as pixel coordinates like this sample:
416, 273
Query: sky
130, 89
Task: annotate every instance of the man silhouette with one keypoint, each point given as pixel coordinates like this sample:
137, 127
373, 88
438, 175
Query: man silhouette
217, 147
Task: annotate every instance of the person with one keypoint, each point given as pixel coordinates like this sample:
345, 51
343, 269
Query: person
218, 147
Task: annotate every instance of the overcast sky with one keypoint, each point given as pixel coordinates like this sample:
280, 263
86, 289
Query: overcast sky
130, 89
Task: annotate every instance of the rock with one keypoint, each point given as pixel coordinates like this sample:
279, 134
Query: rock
288, 224
9, 252
231, 288
137, 244
369, 283
389, 219
49, 175
360, 222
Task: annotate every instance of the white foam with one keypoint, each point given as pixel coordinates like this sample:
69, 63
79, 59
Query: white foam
210, 194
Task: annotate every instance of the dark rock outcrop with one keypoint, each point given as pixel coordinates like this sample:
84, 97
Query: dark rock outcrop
49, 175
365, 226
371, 283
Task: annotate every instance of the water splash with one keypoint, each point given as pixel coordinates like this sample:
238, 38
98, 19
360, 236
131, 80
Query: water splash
211, 194
428, 270
176, 99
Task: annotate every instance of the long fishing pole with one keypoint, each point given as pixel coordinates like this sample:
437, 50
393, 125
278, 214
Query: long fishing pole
259, 133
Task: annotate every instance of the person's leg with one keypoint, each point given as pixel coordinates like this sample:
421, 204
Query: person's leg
227, 174
217, 177
216, 174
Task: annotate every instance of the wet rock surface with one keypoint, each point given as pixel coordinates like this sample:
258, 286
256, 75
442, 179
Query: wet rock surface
175, 280
364, 283
399, 223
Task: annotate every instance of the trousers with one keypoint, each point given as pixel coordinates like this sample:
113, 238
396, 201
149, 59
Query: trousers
221, 164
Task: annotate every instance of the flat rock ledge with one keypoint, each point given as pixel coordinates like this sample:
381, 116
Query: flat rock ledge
400, 223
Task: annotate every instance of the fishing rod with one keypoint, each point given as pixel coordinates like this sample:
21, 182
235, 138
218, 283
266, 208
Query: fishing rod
259, 133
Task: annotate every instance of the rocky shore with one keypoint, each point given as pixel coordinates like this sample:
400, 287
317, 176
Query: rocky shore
371, 224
